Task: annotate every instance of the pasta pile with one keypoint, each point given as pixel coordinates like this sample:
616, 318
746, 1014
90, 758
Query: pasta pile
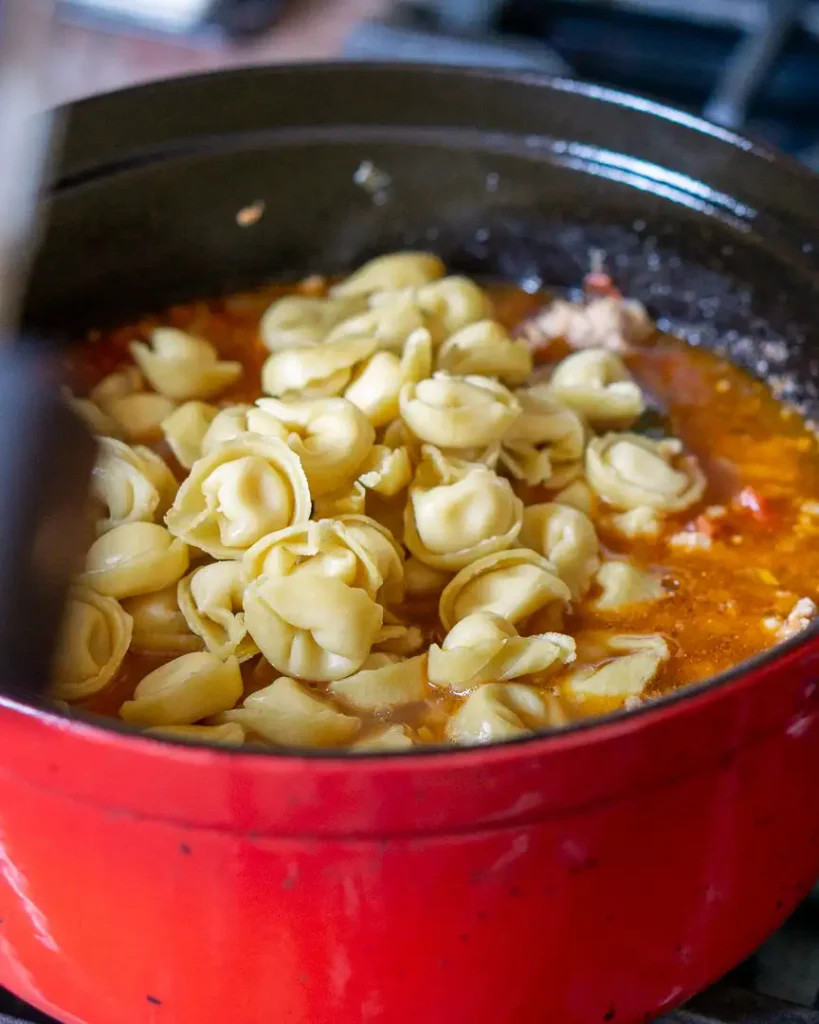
353, 561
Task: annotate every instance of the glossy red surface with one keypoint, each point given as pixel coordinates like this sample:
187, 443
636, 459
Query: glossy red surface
603, 874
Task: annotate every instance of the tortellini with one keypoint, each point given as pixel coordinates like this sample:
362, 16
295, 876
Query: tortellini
139, 416
184, 691
228, 424
97, 420
385, 471
137, 558
567, 538
243, 490
133, 484
324, 548
596, 384
485, 348
117, 385
416, 359
458, 412
119, 406
422, 580
319, 372
352, 498
185, 430
545, 421
385, 552
375, 388
634, 663
210, 599
624, 584
642, 521
393, 738
159, 625
312, 626
501, 711
377, 384
546, 442
231, 733
485, 648
182, 367
629, 471
288, 714
95, 636
458, 512
512, 584
299, 321
454, 303
390, 324
330, 436
388, 543
382, 683
578, 495
395, 637
524, 462
391, 272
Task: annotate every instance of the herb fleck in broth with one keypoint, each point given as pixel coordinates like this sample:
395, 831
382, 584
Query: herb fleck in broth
724, 600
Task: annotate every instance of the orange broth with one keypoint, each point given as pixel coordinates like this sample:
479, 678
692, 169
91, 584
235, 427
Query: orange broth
760, 458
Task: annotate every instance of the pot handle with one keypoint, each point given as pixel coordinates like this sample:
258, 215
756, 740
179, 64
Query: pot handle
46, 456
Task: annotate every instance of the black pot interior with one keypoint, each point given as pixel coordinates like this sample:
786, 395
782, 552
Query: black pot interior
503, 175
506, 176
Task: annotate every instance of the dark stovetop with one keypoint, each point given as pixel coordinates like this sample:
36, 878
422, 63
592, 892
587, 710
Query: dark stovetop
747, 64
778, 985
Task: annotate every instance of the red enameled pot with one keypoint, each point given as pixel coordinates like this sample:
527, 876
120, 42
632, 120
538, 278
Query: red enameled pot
604, 873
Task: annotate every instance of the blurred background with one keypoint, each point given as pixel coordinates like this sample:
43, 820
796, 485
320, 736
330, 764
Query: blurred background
747, 64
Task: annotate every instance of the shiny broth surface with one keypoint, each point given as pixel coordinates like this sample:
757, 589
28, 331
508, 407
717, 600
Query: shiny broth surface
738, 569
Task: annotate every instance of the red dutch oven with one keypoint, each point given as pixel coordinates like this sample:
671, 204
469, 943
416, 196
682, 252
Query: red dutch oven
602, 873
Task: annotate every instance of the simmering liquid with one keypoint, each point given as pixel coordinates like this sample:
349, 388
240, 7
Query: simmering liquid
724, 602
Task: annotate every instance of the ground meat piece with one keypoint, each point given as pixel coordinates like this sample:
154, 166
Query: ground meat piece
602, 322
691, 540
802, 613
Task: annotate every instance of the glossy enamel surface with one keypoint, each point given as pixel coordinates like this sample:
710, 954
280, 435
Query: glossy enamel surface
323, 890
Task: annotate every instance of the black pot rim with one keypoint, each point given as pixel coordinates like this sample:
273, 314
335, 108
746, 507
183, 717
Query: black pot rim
95, 106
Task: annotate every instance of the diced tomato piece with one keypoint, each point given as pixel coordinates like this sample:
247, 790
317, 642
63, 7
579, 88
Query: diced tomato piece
759, 507
599, 284
703, 524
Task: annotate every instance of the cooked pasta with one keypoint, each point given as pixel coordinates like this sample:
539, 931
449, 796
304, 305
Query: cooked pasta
458, 412
485, 648
211, 601
185, 430
596, 384
458, 512
184, 691
159, 626
389, 273
311, 625
330, 436
402, 509
136, 558
132, 484
287, 713
567, 538
629, 472
241, 491
182, 367
318, 372
485, 348
95, 638
384, 682
301, 321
